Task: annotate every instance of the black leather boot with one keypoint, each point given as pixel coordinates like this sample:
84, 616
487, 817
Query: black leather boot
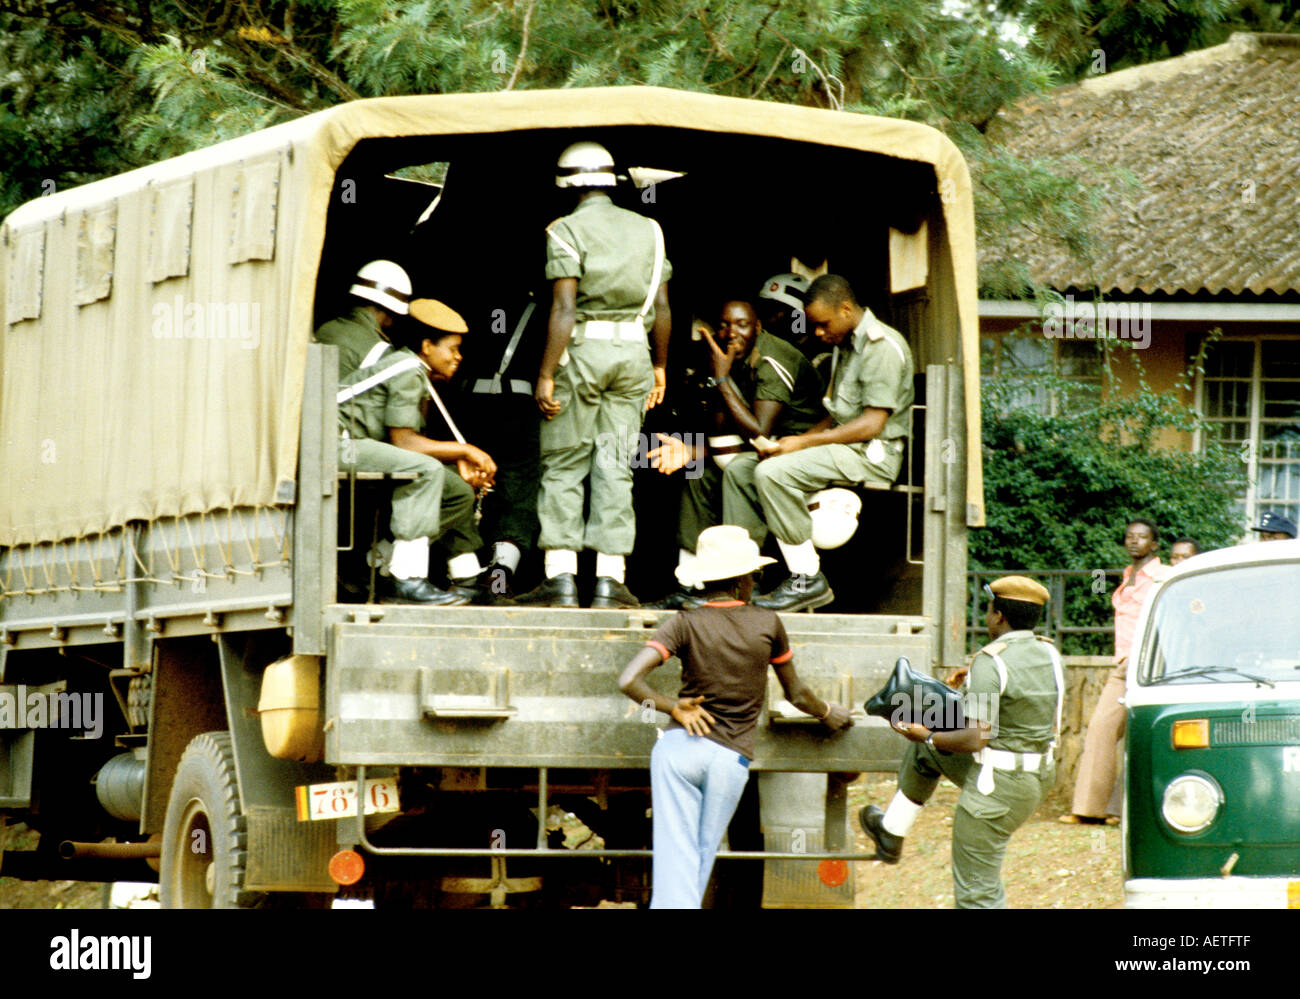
680, 600
888, 846
421, 591
558, 591
798, 593
490, 588
610, 594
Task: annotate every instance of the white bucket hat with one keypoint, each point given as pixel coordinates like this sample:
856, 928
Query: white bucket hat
722, 552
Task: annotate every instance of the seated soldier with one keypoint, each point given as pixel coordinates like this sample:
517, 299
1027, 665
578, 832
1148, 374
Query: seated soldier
380, 405
780, 306
764, 386
860, 440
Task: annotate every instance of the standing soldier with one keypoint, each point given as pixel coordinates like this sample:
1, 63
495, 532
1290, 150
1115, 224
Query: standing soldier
1002, 759
610, 279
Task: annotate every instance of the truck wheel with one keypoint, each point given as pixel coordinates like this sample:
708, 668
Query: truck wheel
203, 849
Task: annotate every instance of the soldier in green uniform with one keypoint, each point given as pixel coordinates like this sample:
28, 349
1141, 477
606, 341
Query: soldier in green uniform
764, 386
383, 293
860, 440
596, 379
1002, 759
380, 406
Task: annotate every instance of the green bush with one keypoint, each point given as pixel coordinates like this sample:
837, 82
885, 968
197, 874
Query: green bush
1059, 490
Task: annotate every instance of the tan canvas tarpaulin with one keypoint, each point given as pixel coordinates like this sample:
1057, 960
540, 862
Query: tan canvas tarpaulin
181, 391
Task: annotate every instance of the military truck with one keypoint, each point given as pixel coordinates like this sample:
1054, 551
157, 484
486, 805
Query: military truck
185, 682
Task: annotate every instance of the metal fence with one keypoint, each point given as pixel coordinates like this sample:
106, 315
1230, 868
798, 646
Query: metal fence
1085, 592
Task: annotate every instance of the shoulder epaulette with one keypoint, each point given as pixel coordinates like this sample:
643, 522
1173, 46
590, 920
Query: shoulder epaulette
994, 648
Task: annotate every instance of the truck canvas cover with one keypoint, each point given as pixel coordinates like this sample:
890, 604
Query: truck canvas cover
156, 323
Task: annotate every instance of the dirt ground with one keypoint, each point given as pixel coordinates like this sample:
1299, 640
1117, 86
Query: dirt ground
1048, 865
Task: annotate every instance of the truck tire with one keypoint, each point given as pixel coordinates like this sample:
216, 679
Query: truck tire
204, 837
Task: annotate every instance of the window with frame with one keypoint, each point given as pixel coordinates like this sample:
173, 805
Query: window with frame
1028, 357
1250, 397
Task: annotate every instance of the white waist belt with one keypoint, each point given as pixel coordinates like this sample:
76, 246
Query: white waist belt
632, 330
999, 759
495, 386
725, 448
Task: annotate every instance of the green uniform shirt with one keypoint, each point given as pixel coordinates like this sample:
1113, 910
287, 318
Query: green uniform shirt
611, 251
355, 335
778, 371
875, 372
392, 402
1024, 714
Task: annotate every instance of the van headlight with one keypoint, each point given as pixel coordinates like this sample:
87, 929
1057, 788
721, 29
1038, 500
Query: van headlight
1191, 803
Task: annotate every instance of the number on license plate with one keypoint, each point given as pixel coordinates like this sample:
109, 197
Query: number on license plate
339, 800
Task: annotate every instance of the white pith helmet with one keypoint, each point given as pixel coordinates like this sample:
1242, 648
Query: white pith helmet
384, 283
834, 516
585, 164
788, 289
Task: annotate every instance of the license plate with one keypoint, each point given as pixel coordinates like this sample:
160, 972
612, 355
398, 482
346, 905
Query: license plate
339, 800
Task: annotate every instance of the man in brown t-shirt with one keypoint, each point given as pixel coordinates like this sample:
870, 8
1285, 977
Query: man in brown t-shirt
700, 763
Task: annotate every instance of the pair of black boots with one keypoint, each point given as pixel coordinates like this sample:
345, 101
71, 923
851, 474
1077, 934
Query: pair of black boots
562, 591
490, 588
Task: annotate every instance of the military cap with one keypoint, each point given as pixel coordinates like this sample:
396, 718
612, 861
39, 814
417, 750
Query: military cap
431, 312
1276, 523
1018, 588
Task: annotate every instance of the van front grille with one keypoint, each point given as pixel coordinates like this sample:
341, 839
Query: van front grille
1256, 731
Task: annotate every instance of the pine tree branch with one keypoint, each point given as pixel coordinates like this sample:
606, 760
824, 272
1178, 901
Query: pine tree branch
324, 74
762, 84
523, 45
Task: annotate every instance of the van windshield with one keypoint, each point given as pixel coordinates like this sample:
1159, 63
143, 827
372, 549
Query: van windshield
1230, 626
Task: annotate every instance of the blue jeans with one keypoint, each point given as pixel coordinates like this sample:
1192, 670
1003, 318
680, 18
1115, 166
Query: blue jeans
695, 785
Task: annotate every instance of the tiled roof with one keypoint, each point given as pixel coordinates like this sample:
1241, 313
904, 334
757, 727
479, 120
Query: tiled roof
1212, 140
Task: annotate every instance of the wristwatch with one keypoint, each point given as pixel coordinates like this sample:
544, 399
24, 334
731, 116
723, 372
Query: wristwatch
929, 740
713, 381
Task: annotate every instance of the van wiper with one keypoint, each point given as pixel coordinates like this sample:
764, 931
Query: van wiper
1208, 670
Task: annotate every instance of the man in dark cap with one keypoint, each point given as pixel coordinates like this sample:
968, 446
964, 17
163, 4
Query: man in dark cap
1002, 759
1275, 527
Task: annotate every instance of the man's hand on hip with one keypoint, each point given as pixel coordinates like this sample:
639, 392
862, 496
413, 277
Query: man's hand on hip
690, 716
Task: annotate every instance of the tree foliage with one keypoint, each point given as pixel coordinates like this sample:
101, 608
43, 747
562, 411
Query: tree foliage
89, 89
1060, 489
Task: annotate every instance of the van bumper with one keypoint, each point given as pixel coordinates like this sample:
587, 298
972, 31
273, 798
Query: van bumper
1212, 893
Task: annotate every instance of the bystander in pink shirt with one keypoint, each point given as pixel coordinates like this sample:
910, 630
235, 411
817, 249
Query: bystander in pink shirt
1128, 599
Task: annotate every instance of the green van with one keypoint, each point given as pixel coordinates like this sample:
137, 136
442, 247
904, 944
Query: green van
1212, 774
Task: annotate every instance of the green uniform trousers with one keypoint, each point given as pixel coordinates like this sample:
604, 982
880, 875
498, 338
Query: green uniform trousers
701, 505
506, 427
438, 505
773, 493
602, 392
982, 824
